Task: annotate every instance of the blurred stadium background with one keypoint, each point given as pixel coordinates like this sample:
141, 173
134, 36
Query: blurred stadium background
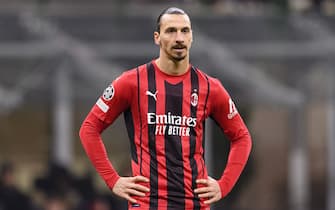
275, 57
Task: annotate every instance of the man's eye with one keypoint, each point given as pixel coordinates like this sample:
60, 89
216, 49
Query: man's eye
170, 30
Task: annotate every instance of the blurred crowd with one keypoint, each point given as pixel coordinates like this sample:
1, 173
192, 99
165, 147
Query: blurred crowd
58, 189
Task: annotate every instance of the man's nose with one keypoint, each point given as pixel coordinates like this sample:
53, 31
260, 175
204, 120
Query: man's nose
180, 37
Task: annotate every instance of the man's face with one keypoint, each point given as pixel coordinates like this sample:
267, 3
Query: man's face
175, 37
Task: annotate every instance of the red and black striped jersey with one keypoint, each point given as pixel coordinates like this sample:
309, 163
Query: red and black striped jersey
165, 118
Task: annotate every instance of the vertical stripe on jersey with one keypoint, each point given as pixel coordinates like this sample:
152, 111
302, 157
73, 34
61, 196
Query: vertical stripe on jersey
193, 163
139, 114
204, 125
128, 118
152, 139
173, 149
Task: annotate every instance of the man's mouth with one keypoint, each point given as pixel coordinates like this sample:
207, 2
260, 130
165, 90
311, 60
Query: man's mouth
179, 47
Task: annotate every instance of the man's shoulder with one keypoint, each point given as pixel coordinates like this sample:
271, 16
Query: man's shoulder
205, 75
134, 71
130, 75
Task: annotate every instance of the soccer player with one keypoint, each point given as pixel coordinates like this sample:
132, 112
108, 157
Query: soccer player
165, 103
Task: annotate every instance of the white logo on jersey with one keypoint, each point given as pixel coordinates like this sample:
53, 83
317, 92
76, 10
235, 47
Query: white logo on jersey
172, 125
170, 119
108, 93
154, 95
232, 109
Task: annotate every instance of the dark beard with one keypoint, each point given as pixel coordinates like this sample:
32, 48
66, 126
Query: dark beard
177, 59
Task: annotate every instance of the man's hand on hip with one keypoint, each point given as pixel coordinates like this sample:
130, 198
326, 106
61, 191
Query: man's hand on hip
211, 190
126, 187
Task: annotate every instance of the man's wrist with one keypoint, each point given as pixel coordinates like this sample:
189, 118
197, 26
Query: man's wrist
112, 180
224, 187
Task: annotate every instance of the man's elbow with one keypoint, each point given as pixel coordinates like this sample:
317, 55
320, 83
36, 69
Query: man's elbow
82, 132
248, 141
244, 140
91, 127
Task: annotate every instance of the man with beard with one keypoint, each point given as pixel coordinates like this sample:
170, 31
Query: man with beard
165, 103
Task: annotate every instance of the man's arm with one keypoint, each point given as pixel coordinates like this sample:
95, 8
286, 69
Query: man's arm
227, 117
238, 155
90, 135
116, 99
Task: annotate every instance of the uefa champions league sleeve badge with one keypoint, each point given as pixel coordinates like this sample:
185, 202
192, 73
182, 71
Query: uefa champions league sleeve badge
108, 93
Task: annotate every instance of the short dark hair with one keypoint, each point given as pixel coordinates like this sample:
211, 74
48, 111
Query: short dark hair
170, 10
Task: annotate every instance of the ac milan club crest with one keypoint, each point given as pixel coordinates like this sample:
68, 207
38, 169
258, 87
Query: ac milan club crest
194, 99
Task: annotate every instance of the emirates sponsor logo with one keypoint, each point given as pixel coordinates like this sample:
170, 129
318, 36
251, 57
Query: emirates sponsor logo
169, 119
170, 124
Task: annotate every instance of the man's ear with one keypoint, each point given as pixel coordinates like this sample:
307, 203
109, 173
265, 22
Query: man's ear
156, 38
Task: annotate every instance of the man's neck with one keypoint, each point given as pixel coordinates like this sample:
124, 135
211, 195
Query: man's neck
171, 67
